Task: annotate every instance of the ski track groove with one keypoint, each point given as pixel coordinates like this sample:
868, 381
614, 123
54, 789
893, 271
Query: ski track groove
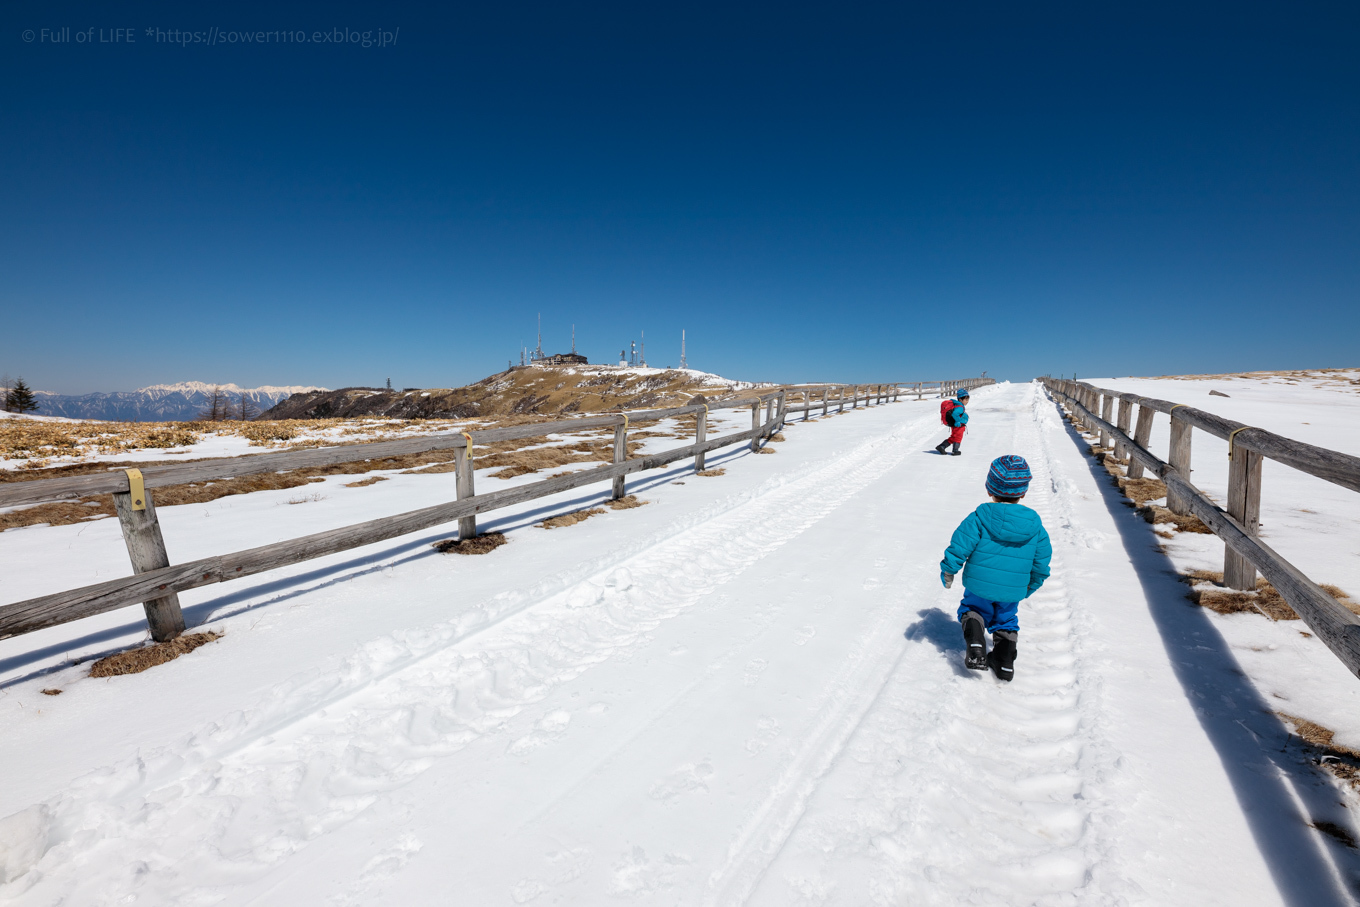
1031, 805
325, 749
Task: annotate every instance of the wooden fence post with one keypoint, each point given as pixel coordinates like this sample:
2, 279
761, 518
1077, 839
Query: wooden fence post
1125, 417
462, 468
1141, 436
840, 398
1179, 460
807, 405
826, 392
769, 416
620, 454
1106, 413
1244, 504
755, 426
146, 549
700, 436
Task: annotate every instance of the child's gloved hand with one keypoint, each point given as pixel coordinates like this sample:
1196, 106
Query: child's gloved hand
947, 579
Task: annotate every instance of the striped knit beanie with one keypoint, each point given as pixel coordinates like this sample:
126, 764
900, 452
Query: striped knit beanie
1009, 476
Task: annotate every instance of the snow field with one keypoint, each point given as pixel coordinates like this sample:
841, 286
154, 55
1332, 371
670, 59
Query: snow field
750, 691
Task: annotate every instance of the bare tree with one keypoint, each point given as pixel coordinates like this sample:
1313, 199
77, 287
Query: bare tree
217, 408
246, 409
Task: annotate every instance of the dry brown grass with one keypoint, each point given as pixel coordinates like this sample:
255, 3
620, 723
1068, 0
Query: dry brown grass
710, 473
627, 502
1265, 600
479, 544
1184, 522
1142, 490
766, 450
778, 437
363, 483
134, 661
50, 692
570, 519
1341, 761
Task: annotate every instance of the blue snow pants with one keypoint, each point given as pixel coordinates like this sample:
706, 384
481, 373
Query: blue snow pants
996, 615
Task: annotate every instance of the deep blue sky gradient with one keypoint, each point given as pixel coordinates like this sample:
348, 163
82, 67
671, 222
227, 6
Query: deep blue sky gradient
835, 192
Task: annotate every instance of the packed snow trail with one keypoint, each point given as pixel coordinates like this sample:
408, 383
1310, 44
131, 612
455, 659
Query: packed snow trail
764, 705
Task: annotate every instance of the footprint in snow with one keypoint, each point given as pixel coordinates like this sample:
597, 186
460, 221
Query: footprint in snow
805, 634
686, 778
546, 729
754, 668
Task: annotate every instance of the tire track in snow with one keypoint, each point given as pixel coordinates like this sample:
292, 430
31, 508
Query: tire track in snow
188, 824
959, 789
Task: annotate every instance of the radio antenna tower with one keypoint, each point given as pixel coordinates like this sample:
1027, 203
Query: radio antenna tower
643, 363
683, 365
538, 350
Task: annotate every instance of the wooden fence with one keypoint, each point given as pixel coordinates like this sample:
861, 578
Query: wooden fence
806, 399
157, 584
1237, 526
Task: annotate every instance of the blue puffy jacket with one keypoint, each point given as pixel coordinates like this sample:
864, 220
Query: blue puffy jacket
958, 416
1006, 550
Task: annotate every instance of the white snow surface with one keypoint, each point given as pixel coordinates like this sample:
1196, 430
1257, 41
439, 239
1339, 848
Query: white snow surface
749, 691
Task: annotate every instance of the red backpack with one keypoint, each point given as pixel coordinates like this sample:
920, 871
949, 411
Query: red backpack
945, 409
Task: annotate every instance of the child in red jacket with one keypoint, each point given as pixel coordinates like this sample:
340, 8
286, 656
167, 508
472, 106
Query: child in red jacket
954, 414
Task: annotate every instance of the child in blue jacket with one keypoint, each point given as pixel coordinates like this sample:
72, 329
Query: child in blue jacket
1006, 552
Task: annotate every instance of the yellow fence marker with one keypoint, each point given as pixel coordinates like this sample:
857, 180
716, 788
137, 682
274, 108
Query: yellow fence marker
1233, 434
136, 488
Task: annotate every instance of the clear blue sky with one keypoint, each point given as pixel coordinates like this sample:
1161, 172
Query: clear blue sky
814, 192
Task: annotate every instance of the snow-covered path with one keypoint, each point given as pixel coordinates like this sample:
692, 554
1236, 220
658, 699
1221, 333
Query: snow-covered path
757, 699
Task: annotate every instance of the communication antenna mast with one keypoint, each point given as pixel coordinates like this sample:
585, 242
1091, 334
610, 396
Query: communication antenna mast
573, 340
538, 350
683, 364
643, 363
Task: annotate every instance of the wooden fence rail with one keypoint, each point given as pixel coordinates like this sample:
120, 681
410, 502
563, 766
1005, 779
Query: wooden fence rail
1244, 552
156, 583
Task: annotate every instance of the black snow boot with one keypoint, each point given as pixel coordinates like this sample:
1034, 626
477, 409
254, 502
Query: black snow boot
1002, 657
939, 448
956, 449
974, 641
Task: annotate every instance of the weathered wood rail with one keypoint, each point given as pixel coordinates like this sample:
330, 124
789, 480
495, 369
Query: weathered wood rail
1244, 552
807, 399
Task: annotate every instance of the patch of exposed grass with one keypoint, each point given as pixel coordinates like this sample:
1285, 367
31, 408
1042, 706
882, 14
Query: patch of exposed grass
1208, 591
1341, 761
710, 473
766, 450
570, 519
778, 437
1185, 522
478, 544
134, 661
627, 502
363, 483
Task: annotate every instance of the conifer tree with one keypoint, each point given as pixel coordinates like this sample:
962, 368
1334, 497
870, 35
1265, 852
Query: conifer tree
20, 398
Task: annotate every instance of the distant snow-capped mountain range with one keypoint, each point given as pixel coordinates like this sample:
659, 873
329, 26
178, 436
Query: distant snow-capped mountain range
159, 402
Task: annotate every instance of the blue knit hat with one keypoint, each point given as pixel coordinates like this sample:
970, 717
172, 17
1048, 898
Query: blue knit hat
963, 394
1009, 476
